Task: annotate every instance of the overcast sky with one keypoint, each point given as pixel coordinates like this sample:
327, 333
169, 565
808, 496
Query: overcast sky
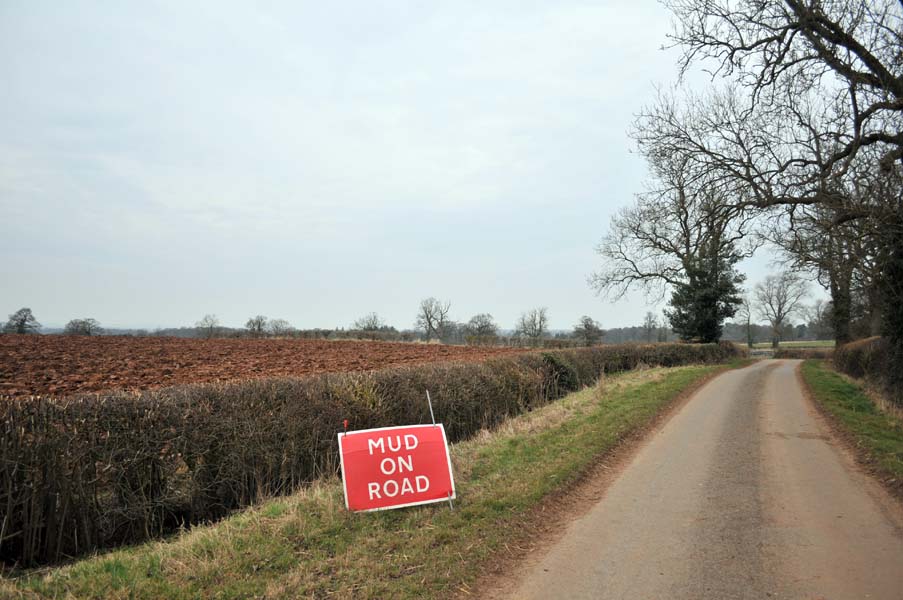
317, 161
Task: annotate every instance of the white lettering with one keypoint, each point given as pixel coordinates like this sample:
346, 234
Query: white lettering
371, 444
394, 443
405, 464
387, 470
391, 487
373, 489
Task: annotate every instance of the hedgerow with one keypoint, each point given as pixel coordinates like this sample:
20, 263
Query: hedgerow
95, 471
861, 358
804, 353
870, 359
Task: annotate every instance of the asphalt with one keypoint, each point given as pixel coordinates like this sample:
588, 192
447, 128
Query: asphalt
741, 494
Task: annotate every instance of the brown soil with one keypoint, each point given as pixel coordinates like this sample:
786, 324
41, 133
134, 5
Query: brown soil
57, 365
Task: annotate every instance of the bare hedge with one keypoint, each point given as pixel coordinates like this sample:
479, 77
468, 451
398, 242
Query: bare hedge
95, 471
870, 359
861, 358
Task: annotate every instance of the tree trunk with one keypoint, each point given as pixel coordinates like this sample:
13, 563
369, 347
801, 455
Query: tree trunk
749, 340
840, 311
892, 303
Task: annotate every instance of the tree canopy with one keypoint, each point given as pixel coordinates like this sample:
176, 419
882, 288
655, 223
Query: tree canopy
23, 322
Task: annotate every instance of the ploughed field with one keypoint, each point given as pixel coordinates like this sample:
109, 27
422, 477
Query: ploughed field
58, 365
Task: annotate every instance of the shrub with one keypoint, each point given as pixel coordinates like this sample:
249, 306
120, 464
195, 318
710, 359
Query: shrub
99, 470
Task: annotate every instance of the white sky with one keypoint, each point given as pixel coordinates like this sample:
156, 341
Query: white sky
315, 162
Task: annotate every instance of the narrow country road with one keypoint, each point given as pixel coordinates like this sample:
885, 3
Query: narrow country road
742, 494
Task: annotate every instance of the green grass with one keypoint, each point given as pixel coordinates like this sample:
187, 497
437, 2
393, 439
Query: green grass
798, 344
878, 435
308, 545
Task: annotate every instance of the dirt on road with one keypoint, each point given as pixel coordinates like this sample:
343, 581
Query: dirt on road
742, 494
61, 365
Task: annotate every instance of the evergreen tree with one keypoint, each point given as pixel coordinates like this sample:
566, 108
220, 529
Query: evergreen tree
709, 294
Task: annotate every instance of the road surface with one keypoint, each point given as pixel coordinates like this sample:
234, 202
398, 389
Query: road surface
742, 494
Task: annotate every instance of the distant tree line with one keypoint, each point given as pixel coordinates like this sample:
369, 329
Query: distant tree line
530, 330
23, 322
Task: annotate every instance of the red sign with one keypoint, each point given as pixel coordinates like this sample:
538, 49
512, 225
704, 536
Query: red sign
391, 467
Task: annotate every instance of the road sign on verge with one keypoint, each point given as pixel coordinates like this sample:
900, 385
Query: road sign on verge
392, 467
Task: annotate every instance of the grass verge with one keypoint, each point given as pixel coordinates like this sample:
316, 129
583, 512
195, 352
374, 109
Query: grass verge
875, 436
307, 545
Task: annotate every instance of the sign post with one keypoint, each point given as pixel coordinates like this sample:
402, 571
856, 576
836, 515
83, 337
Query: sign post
392, 467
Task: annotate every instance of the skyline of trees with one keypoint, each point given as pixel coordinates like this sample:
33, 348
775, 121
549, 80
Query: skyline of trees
481, 328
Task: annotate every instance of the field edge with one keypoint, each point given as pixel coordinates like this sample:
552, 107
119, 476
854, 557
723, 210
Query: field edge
306, 544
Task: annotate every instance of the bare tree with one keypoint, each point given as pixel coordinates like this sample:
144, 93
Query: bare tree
814, 100
83, 327
846, 52
744, 316
653, 244
256, 326
779, 297
679, 235
588, 331
433, 317
819, 320
22, 321
837, 254
650, 326
209, 326
533, 324
279, 327
662, 333
369, 322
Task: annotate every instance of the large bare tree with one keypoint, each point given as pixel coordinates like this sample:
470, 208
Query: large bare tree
843, 257
654, 243
844, 53
209, 326
680, 235
369, 322
811, 97
256, 326
432, 318
533, 324
779, 297
279, 327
